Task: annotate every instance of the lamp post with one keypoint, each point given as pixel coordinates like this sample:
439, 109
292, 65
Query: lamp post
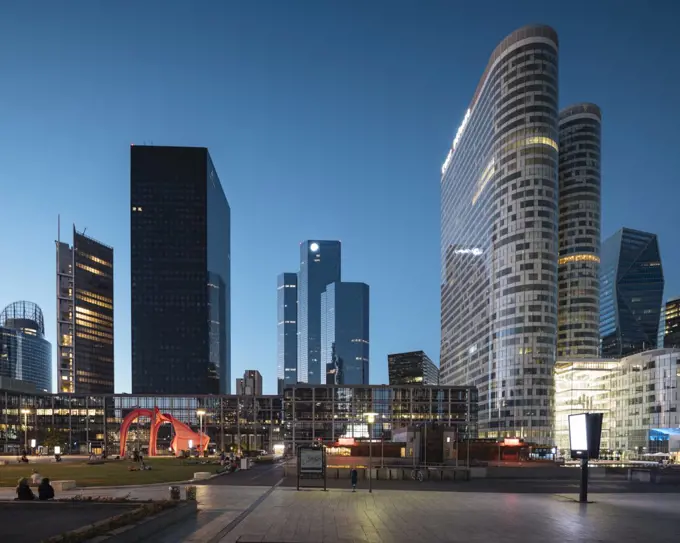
25, 412
200, 413
370, 418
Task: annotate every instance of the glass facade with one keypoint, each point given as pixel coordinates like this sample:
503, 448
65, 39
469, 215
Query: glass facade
181, 262
345, 333
91, 423
638, 396
85, 316
578, 333
329, 413
631, 283
671, 324
319, 266
499, 240
286, 327
25, 354
412, 368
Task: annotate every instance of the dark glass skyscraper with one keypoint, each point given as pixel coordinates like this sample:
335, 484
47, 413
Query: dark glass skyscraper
286, 326
345, 333
412, 368
578, 333
85, 316
25, 354
181, 273
671, 324
631, 291
319, 267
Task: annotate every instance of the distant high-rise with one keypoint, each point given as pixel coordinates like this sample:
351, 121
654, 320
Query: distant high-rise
250, 384
499, 242
345, 334
578, 314
181, 273
412, 368
286, 370
631, 292
25, 354
85, 351
319, 267
671, 328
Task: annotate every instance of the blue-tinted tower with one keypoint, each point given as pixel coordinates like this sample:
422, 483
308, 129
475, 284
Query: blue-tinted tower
319, 267
631, 293
25, 354
345, 333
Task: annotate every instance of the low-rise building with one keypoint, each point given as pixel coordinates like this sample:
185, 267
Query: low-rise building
637, 394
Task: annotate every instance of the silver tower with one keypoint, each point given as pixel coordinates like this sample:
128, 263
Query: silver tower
499, 198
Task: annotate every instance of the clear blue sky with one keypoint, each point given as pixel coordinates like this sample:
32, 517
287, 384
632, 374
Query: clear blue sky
325, 120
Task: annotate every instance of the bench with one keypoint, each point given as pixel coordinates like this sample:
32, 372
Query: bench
63, 485
202, 475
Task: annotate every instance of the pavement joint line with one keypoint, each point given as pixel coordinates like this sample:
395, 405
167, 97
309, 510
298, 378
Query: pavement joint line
242, 516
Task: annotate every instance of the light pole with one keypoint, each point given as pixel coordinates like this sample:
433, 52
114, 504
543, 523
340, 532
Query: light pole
370, 417
200, 413
25, 412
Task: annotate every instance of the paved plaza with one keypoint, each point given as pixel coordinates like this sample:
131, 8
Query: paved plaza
388, 516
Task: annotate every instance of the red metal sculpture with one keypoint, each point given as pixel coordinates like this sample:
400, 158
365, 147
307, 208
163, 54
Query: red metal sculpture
183, 433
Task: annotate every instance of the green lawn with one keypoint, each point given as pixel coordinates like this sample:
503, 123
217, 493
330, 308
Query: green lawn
112, 473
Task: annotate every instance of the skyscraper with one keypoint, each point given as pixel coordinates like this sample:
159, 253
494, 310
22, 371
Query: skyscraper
319, 267
84, 316
25, 354
631, 292
250, 384
499, 242
578, 316
181, 273
671, 324
412, 368
286, 303
345, 333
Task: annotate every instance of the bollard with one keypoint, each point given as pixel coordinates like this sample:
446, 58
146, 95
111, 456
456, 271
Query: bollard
174, 492
191, 493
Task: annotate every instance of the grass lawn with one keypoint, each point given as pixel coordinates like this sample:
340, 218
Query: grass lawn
112, 473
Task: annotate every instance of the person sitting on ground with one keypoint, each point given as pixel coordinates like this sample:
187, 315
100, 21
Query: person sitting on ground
24, 491
45, 490
23, 459
36, 478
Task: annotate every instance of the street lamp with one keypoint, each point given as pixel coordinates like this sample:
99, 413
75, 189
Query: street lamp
370, 418
201, 414
25, 412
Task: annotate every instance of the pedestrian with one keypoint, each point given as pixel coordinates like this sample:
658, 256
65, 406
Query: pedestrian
36, 478
45, 490
354, 475
24, 491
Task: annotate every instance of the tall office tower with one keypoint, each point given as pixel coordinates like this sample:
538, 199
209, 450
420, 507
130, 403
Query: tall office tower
25, 354
411, 368
578, 272
250, 384
286, 305
319, 267
181, 273
631, 292
671, 324
84, 316
345, 334
499, 195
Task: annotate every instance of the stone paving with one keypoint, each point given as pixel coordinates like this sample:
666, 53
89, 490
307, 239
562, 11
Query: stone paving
340, 516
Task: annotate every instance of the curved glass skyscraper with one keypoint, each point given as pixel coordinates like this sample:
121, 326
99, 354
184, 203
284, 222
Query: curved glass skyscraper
25, 354
499, 240
578, 329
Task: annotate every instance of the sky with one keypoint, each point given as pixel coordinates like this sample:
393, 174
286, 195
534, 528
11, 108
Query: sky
324, 119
